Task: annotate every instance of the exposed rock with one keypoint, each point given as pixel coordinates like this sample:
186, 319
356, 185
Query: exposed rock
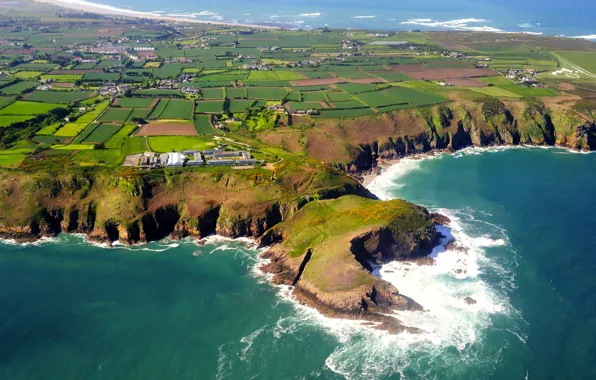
470, 301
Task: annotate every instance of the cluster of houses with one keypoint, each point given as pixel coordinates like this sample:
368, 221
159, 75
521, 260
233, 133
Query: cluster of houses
524, 76
113, 89
215, 157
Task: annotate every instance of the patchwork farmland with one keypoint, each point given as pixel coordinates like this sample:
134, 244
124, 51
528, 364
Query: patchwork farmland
93, 101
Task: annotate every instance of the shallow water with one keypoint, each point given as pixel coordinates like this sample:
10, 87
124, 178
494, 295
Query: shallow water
168, 310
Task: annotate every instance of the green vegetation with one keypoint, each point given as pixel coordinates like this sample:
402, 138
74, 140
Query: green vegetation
28, 108
19, 88
177, 109
178, 143
62, 97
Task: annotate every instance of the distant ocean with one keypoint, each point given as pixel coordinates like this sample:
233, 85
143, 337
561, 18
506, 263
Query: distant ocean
571, 18
175, 310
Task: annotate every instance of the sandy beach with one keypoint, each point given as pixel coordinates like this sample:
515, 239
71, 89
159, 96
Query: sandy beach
86, 6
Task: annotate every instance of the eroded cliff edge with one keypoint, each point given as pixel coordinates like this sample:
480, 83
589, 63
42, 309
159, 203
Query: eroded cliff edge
134, 207
327, 250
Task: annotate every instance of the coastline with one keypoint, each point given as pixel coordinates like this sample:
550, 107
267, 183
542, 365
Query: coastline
107, 10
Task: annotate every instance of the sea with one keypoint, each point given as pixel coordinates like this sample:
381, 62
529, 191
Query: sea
551, 17
523, 220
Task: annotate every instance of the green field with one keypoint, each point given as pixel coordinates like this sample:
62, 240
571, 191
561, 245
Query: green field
271, 93
133, 102
18, 88
210, 106
48, 130
314, 96
356, 88
5, 100
377, 99
28, 108
212, 93
203, 125
28, 74
178, 109
102, 133
5, 121
139, 113
236, 93
163, 103
62, 97
338, 96
71, 129
238, 105
414, 97
496, 92
100, 77
178, 143
62, 78
13, 157
585, 60
116, 114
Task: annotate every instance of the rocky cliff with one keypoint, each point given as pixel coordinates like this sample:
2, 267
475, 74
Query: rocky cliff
326, 252
357, 144
133, 207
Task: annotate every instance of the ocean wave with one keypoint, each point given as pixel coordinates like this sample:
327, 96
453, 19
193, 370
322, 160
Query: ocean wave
316, 14
465, 296
363, 17
389, 180
465, 24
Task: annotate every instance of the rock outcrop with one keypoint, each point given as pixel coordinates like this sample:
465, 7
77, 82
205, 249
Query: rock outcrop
342, 240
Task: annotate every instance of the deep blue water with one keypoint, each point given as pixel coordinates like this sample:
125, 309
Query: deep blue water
572, 18
179, 311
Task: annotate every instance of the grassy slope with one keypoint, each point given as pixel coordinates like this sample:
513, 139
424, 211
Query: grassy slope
327, 228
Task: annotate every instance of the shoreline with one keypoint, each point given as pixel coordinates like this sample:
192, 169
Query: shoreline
365, 177
108, 10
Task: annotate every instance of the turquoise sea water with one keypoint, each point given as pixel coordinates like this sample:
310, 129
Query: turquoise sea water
169, 310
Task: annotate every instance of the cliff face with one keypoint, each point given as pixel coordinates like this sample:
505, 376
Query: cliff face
133, 207
327, 250
456, 126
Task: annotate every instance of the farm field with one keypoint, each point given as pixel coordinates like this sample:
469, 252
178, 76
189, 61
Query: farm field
238, 105
203, 126
5, 121
178, 82
102, 133
167, 129
496, 92
18, 88
271, 93
210, 106
62, 97
116, 115
583, 59
165, 144
28, 108
135, 102
177, 109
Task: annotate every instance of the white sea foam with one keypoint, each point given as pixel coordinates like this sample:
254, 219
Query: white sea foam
316, 14
383, 184
452, 331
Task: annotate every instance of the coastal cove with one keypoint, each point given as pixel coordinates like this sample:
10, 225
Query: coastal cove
524, 238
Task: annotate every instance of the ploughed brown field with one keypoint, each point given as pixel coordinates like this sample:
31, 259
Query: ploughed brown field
467, 82
317, 82
162, 129
417, 72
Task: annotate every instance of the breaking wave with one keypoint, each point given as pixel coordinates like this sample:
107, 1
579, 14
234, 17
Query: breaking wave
464, 293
